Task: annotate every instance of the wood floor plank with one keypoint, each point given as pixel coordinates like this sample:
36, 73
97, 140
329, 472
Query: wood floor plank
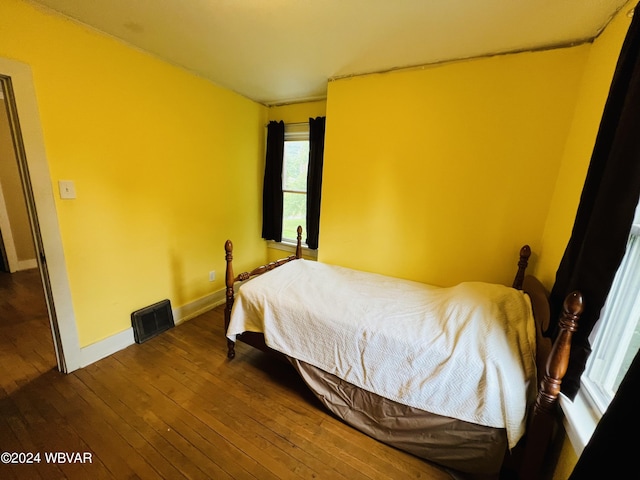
53, 436
277, 433
15, 439
273, 416
181, 453
151, 390
103, 402
214, 445
279, 462
106, 445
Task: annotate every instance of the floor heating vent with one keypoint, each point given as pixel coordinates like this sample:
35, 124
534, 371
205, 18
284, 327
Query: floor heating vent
152, 320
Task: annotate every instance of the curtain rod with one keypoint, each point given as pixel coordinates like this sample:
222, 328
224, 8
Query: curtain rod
293, 124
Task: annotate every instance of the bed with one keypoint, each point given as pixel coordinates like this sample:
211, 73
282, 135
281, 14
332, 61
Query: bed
402, 361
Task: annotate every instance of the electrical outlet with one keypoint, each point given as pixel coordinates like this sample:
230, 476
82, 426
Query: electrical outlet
212, 275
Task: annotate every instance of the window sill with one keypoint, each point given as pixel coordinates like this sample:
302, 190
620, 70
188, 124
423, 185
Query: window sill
580, 420
291, 248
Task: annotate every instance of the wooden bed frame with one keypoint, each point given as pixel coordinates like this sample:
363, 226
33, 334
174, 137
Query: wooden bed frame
552, 357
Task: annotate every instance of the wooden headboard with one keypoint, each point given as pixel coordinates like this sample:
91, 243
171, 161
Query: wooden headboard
541, 312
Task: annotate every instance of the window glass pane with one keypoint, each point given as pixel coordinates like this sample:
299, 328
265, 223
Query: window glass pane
294, 213
617, 337
628, 357
296, 162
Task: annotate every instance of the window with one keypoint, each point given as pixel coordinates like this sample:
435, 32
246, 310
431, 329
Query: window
294, 180
615, 341
616, 338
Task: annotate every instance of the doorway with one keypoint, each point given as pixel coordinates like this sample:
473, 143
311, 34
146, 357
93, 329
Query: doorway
16, 238
26, 340
21, 110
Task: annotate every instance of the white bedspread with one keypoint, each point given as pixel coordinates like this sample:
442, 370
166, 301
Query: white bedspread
465, 352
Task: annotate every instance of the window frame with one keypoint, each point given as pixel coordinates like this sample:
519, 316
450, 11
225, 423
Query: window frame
293, 132
612, 338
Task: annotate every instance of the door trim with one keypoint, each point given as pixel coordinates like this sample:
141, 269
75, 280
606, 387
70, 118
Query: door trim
39, 195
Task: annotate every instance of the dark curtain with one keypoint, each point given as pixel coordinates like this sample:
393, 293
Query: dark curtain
272, 187
612, 450
314, 179
605, 213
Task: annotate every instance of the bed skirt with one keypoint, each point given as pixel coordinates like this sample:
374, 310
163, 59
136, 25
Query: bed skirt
449, 442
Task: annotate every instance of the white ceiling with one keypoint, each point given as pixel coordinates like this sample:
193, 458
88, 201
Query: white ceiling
279, 51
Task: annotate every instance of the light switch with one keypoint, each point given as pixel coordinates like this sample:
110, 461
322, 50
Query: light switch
67, 189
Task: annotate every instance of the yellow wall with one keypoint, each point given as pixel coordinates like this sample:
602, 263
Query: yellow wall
166, 165
593, 91
441, 174
298, 112
567, 460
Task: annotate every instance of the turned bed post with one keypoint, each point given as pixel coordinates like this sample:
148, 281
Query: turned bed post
229, 281
525, 253
543, 417
299, 242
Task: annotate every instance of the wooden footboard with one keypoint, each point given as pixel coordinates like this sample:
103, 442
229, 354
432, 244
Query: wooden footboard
230, 280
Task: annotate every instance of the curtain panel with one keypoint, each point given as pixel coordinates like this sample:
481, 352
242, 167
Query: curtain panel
607, 205
314, 179
272, 199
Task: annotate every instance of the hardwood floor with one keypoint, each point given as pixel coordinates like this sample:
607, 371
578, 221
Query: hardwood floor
26, 346
172, 407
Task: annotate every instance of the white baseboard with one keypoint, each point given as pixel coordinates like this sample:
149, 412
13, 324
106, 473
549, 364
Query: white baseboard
198, 307
27, 264
99, 350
